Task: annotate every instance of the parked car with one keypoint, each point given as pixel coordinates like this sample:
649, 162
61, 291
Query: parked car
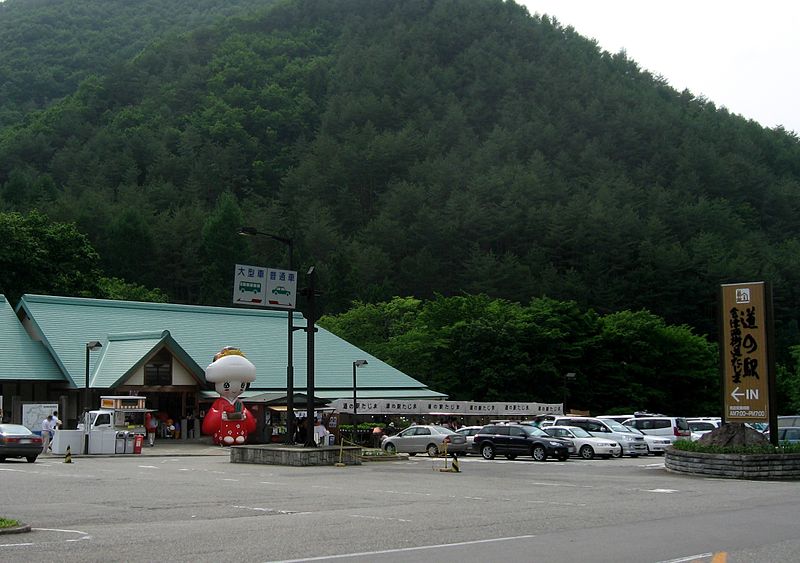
18, 441
618, 417
513, 440
656, 445
469, 433
672, 427
790, 434
587, 446
701, 426
423, 438
633, 444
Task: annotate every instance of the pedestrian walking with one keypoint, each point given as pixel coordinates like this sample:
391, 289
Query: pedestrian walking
150, 425
47, 433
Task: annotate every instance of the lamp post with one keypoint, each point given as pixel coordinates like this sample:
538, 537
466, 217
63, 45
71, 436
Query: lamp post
567, 377
252, 231
356, 364
90, 346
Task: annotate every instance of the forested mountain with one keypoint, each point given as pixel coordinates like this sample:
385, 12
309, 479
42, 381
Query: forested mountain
47, 47
411, 147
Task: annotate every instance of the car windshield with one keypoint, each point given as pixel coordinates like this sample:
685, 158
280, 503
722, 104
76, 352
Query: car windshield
442, 430
14, 429
580, 432
534, 431
617, 427
632, 430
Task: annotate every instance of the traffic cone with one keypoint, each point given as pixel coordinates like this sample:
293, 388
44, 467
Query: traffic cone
68, 456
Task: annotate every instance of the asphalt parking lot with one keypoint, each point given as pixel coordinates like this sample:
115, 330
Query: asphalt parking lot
204, 508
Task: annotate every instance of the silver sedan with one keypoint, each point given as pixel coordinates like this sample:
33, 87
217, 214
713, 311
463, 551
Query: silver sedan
425, 438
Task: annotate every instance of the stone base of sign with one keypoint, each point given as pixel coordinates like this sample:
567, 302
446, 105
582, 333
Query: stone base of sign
734, 466
299, 456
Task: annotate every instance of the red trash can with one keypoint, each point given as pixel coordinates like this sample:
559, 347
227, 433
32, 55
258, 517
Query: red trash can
137, 444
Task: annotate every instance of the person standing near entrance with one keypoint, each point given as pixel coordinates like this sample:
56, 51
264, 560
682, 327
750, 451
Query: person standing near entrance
47, 432
150, 425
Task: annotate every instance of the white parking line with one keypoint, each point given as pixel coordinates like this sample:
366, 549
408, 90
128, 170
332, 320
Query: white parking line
378, 518
405, 549
270, 510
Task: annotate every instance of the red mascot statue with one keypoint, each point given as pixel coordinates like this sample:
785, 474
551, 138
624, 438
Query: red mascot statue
228, 420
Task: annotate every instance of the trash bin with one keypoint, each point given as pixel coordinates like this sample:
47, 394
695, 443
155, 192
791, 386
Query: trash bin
119, 445
130, 440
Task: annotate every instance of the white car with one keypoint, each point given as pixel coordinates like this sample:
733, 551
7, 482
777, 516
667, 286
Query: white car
701, 426
586, 445
656, 445
469, 433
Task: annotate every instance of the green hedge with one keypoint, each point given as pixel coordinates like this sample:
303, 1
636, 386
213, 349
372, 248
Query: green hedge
759, 449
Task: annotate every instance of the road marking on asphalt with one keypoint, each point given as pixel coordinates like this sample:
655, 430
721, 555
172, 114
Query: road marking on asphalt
15, 544
9, 469
148, 467
556, 503
406, 549
229, 479
270, 510
689, 558
378, 518
571, 485
660, 490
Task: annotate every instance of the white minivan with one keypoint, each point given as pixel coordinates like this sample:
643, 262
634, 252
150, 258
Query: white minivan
632, 444
672, 427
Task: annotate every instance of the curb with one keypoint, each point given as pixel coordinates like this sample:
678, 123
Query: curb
21, 529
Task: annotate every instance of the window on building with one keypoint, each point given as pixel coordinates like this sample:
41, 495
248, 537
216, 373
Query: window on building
158, 370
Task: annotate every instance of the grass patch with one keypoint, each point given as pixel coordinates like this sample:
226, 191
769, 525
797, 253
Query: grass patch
760, 449
7, 523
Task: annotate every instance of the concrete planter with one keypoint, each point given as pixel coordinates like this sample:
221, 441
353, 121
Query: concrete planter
734, 466
270, 454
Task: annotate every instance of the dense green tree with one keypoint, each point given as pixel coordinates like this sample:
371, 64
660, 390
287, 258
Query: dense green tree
38, 256
410, 147
478, 348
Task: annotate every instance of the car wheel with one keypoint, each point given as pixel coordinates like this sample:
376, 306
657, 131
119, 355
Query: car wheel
433, 451
511, 456
539, 453
658, 453
2, 458
487, 451
563, 457
587, 452
617, 455
412, 454
390, 449
31, 458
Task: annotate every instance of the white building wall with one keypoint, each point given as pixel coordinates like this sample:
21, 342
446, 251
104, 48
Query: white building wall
180, 375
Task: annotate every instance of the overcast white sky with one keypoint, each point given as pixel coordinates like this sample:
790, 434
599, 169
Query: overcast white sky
743, 55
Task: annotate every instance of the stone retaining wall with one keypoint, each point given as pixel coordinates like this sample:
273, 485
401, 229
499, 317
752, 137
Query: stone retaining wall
734, 466
296, 456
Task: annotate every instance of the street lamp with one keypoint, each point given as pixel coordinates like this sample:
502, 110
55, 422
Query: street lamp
356, 364
90, 347
567, 376
252, 231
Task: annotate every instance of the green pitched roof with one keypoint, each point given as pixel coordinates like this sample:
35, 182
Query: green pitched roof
125, 353
66, 324
22, 358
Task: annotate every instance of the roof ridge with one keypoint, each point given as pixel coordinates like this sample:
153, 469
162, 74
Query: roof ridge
90, 302
143, 335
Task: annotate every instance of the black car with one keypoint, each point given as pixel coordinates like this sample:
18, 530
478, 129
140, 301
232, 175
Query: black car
513, 440
18, 441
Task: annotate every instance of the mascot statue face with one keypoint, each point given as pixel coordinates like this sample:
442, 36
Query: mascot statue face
230, 389
230, 372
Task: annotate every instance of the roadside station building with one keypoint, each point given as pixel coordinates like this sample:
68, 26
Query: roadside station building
160, 351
